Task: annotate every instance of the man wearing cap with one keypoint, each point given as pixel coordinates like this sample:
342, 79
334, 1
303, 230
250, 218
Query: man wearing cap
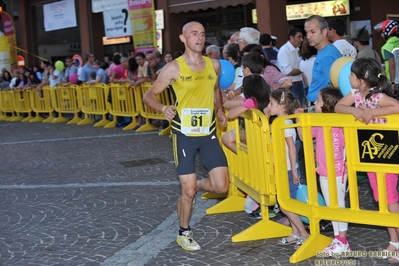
390, 52
361, 41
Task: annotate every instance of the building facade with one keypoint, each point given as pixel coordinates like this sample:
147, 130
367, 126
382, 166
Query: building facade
220, 18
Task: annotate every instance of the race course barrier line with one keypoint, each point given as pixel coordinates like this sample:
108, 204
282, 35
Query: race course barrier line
66, 100
40, 101
369, 148
118, 99
7, 106
123, 104
251, 172
164, 97
22, 105
93, 101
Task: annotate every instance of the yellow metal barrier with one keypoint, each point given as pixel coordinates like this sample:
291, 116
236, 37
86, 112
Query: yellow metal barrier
123, 104
3, 115
165, 97
7, 106
22, 105
251, 172
40, 101
369, 148
66, 100
93, 101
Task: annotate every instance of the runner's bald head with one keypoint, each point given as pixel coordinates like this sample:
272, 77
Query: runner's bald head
188, 25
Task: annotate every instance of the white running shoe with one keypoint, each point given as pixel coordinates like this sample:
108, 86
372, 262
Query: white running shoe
336, 248
187, 242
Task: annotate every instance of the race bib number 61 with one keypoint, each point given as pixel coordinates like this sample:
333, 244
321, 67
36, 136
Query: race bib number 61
195, 121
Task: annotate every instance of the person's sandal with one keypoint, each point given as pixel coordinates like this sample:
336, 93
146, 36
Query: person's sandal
388, 251
300, 241
394, 259
284, 241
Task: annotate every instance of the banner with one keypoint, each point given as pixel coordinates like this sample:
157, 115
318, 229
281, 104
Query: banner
322, 8
4, 53
105, 5
10, 40
142, 18
117, 23
59, 15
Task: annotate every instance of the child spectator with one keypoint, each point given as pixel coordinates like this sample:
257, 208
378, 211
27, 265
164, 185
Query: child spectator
283, 103
325, 103
256, 96
369, 95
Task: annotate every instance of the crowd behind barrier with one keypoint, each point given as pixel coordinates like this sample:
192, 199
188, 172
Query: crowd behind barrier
259, 169
49, 105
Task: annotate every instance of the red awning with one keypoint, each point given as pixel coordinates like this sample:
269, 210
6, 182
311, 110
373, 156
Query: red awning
176, 6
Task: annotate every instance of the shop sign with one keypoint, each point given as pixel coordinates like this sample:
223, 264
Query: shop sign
323, 8
112, 41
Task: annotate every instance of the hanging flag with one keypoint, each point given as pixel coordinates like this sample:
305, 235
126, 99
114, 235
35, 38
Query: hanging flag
142, 18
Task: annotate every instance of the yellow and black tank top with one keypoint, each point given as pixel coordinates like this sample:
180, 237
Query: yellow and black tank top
194, 100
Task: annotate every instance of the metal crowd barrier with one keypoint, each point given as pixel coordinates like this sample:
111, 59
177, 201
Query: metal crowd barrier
41, 104
22, 105
251, 172
7, 106
369, 148
165, 97
93, 101
123, 103
66, 100
86, 101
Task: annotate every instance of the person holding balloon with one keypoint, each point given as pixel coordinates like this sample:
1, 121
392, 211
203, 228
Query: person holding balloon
70, 68
325, 103
54, 75
369, 95
283, 103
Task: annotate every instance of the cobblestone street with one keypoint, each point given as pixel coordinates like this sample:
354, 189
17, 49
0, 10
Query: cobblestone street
80, 195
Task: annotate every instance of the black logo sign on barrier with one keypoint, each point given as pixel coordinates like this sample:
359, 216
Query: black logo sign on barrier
378, 146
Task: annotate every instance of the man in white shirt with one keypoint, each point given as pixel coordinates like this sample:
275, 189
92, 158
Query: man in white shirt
288, 62
336, 35
142, 70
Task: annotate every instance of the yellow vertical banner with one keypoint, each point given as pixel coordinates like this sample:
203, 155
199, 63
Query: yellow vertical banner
9, 32
142, 19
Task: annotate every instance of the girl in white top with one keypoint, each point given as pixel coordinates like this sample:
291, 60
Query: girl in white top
282, 103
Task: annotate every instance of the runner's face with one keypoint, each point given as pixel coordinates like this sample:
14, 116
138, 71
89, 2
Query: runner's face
193, 37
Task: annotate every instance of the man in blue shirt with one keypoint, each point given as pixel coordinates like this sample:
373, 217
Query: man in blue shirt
71, 68
316, 28
88, 67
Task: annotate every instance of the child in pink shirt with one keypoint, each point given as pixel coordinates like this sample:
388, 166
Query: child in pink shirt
370, 100
325, 103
